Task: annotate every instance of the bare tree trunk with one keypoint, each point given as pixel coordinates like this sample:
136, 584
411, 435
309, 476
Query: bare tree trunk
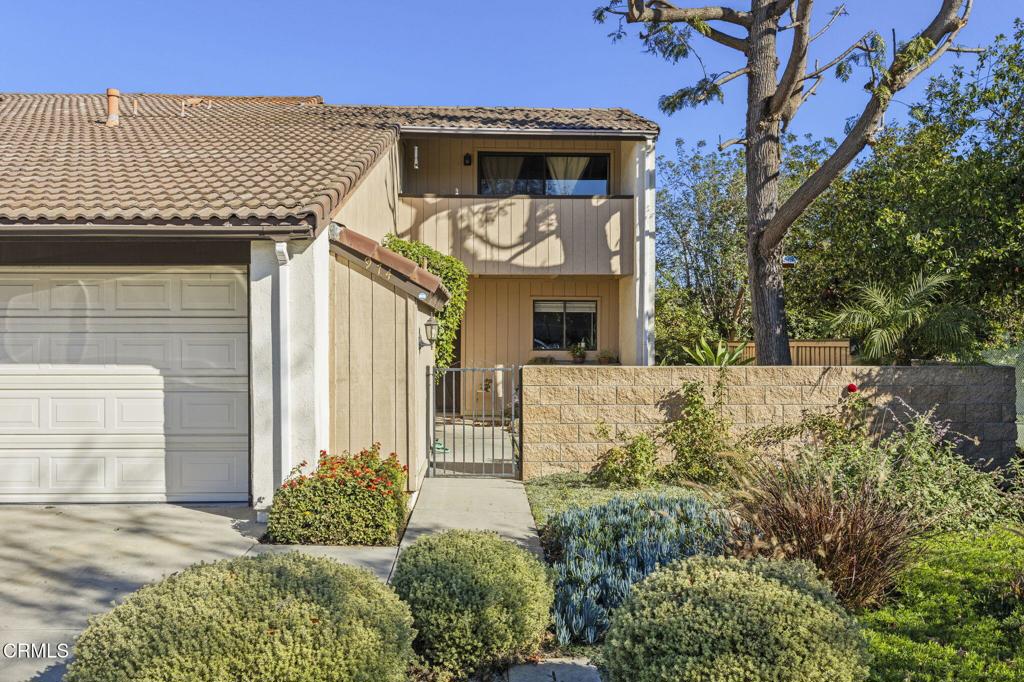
763, 159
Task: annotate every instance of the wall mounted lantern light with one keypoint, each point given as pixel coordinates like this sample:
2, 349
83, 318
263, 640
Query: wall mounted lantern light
430, 327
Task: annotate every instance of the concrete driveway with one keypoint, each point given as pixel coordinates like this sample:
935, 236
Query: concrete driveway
59, 565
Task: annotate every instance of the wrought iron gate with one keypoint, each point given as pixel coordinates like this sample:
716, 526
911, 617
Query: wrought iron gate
473, 421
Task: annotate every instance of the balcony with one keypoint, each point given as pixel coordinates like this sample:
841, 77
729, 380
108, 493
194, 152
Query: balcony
525, 235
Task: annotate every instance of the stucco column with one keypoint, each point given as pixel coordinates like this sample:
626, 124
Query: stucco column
288, 343
636, 292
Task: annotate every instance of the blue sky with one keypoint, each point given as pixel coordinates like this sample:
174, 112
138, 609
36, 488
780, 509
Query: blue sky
402, 52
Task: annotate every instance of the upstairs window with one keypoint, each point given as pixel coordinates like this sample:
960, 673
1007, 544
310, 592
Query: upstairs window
559, 325
544, 174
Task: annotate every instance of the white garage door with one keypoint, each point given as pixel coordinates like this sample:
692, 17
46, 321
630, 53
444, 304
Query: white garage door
124, 384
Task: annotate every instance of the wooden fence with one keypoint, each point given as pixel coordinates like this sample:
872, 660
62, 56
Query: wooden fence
812, 353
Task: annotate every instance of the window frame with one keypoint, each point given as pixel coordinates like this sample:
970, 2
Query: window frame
543, 155
564, 347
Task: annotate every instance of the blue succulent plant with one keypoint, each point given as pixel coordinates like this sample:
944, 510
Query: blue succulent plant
600, 552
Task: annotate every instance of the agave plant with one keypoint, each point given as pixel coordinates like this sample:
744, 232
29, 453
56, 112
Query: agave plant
701, 353
895, 325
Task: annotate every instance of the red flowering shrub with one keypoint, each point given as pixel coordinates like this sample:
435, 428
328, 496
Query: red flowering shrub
347, 500
851, 388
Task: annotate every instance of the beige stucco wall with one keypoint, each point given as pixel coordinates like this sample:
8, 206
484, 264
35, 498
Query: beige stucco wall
371, 208
377, 367
564, 406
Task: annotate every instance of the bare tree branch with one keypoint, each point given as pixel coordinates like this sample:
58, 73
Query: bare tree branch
803, 97
722, 80
904, 68
836, 13
859, 45
797, 64
722, 146
961, 49
658, 10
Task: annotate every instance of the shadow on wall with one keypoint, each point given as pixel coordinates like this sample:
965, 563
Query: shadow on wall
523, 234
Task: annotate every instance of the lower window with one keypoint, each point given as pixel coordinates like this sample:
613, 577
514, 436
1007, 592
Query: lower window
560, 325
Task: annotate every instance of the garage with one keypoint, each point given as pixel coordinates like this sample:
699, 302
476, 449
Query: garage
124, 383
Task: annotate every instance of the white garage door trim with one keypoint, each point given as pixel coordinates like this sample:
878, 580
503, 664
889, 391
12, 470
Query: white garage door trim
126, 384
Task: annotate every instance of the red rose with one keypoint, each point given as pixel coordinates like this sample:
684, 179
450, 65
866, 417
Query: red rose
852, 388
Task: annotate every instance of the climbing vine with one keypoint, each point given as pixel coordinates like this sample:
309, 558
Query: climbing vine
454, 276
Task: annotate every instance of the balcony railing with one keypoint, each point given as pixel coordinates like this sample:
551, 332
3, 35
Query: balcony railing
525, 235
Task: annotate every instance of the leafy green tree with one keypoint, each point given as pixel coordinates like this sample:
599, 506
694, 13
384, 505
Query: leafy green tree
944, 193
679, 321
773, 98
701, 242
897, 325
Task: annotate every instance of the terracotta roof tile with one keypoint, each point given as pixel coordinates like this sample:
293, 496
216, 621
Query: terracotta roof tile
226, 161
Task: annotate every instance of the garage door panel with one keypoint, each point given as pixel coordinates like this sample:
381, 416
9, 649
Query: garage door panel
151, 294
20, 473
20, 293
134, 472
124, 384
183, 470
77, 471
173, 292
77, 413
204, 412
20, 414
173, 354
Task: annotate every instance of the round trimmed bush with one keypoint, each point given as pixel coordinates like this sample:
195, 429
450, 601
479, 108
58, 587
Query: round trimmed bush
285, 617
478, 602
715, 618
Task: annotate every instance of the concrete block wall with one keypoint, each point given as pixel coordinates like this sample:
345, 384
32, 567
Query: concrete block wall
571, 414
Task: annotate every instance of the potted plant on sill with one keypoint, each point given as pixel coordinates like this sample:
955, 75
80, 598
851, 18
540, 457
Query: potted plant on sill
578, 352
607, 357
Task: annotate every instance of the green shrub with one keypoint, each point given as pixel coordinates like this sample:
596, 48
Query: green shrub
346, 500
632, 465
455, 277
598, 553
917, 461
478, 602
711, 618
556, 493
699, 440
958, 614
285, 617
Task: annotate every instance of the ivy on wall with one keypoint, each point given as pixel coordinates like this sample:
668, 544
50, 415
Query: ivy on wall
455, 276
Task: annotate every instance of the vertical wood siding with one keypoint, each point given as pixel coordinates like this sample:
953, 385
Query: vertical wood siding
525, 235
498, 327
378, 391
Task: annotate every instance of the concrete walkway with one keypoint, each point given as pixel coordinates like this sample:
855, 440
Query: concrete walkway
495, 504
61, 564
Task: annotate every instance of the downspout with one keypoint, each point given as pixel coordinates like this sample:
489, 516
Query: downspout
284, 359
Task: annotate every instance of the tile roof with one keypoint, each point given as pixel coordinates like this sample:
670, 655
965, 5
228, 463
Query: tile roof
613, 121
284, 162
407, 270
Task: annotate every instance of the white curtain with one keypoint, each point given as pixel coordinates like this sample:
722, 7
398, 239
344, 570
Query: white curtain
565, 172
501, 172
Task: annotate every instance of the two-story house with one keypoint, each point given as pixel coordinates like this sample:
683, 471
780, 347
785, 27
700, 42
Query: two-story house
194, 296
